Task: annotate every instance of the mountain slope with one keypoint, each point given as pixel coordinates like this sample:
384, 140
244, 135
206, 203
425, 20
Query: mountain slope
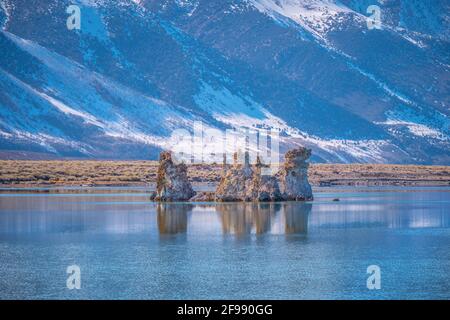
137, 70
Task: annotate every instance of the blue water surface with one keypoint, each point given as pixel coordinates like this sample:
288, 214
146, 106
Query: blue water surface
129, 248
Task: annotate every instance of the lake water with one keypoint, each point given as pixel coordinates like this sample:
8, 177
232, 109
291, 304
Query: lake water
129, 248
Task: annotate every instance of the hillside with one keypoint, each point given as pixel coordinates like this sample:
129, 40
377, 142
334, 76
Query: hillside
138, 70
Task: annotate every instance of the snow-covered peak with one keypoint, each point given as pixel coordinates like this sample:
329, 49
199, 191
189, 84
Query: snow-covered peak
6, 8
316, 16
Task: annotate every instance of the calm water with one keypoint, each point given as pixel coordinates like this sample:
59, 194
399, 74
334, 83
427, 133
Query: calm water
128, 247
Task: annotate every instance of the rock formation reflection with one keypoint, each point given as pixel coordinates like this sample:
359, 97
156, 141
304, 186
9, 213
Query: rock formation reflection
296, 218
260, 218
173, 218
243, 218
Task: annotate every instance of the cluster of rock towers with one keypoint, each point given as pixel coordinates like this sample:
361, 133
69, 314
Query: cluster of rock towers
240, 182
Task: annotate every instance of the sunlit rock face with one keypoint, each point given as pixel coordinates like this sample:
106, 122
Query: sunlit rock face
247, 183
236, 183
294, 175
172, 181
242, 182
203, 197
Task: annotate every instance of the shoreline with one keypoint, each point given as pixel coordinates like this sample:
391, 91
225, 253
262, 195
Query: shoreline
91, 173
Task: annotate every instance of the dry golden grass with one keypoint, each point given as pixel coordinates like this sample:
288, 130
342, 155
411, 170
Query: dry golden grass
378, 174
22, 173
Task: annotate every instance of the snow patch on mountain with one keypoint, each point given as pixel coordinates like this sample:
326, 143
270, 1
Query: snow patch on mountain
68, 110
5, 134
243, 113
221, 101
316, 16
85, 93
419, 130
347, 151
54, 102
188, 5
119, 111
435, 126
47, 141
6, 7
382, 85
123, 129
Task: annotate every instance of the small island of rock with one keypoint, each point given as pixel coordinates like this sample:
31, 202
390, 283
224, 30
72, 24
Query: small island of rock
240, 182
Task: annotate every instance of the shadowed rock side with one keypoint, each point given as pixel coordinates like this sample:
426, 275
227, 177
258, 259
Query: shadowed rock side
294, 176
264, 188
172, 182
